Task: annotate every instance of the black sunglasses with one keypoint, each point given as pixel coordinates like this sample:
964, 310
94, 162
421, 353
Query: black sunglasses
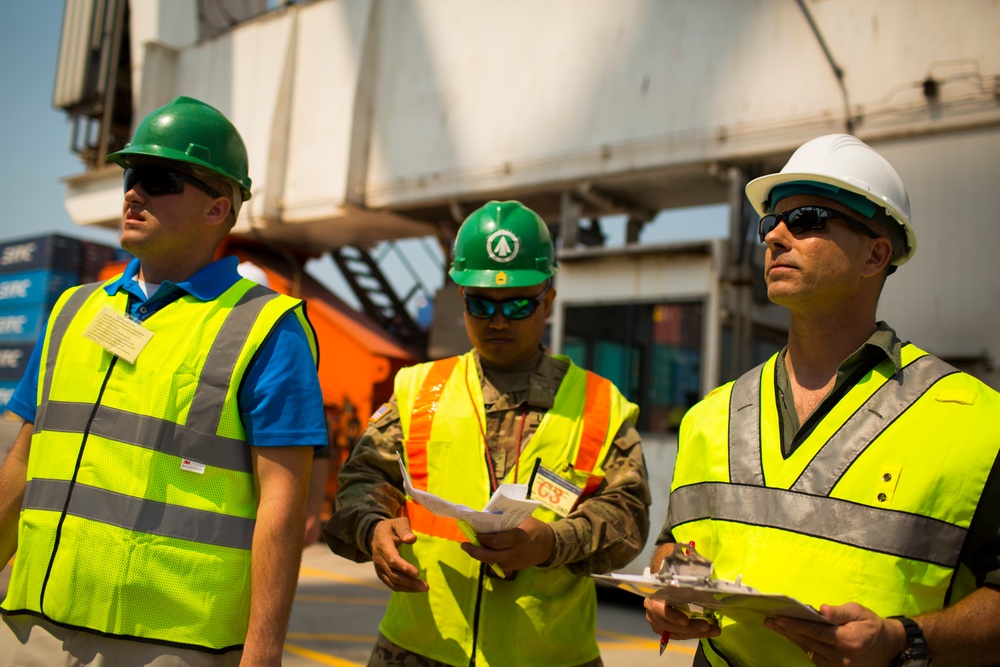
157, 180
809, 219
513, 309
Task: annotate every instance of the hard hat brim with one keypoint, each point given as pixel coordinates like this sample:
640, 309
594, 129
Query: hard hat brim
498, 278
758, 192
122, 159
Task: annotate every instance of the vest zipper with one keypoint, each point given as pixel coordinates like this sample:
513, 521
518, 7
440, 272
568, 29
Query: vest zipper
475, 618
72, 484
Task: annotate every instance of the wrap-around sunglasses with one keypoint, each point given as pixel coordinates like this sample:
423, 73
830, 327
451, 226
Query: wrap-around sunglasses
513, 309
157, 180
809, 219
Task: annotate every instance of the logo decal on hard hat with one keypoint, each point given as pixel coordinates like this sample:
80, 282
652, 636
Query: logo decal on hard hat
501, 278
502, 246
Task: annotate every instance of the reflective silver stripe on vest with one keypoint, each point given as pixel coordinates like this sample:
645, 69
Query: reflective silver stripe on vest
210, 396
884, 407
157, 434
196, 438
57, 331
884, 531
146, 516
745, 459
820, 476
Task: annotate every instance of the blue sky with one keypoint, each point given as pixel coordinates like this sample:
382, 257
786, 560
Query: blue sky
35, 136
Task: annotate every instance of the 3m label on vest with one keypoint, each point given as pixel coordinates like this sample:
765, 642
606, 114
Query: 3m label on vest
193, 466
118, 334
554, 492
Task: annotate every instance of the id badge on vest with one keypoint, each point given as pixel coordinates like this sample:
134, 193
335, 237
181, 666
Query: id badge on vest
554, 492
118, 334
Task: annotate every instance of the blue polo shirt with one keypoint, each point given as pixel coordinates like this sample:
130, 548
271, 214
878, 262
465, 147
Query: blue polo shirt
280, 401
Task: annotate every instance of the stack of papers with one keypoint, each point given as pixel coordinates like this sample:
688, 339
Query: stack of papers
507, 509
708, 597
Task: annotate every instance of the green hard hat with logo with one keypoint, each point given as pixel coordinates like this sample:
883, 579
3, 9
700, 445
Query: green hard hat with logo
188, 130
503, 244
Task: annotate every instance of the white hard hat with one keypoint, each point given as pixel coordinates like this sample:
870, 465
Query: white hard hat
845, 163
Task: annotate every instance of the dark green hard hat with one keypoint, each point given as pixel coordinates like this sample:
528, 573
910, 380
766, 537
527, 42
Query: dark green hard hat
503, 244
188, 130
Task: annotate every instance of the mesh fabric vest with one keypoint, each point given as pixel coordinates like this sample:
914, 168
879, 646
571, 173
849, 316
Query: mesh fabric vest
140, 504
873, 507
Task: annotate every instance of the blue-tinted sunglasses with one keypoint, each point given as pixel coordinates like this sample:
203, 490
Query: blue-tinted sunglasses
157, 180
513, 309
808, 219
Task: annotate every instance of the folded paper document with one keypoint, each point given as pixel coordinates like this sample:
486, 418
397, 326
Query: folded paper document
685, 581
508, 508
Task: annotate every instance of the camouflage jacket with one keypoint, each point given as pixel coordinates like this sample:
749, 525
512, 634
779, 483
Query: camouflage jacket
605, 531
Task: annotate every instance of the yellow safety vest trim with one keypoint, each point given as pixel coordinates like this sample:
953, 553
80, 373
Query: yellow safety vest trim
820, 525
543, 617
140, 490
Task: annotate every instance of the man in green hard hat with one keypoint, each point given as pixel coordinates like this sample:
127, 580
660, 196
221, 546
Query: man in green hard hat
155, 495
505, 412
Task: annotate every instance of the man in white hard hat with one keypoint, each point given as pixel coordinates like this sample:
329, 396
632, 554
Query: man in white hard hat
851, 471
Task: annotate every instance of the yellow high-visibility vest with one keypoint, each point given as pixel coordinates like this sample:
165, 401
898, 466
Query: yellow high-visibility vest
544, 617
140, 504
873, 507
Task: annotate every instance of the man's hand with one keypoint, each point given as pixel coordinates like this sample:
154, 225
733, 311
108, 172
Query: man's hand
395, 571
527, 545
662, 617
858, 636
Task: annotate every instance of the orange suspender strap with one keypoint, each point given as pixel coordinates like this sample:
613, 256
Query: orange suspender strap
421, 420
596, 422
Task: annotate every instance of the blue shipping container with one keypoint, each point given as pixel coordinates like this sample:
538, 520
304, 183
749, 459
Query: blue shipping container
52, 251
6, 391
30, 288
14, 359
22, 324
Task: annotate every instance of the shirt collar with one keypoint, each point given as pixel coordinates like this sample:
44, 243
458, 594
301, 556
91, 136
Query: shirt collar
542, 385
883, 343
207, 284
887, 342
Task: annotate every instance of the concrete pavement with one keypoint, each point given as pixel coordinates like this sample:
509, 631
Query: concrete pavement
338, 606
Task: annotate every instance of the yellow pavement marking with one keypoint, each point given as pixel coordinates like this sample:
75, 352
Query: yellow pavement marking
342, 578
625, 642
621, 642
321, 658
341, 599
331, 637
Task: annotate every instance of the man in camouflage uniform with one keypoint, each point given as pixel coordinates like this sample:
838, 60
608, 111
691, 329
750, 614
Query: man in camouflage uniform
505, 412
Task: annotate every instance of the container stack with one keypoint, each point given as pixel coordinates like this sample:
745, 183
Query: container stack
33, 273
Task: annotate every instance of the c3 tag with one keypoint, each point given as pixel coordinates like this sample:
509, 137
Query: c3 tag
554, 492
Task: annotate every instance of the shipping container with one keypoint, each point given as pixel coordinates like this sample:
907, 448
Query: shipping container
53, 251
6, 391
21, 324
40, 287
13, 360
93, 258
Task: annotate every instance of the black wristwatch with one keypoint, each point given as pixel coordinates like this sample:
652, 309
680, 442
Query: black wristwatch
916, 653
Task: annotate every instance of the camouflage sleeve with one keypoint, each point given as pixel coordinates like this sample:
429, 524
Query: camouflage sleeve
609, 528
370, 487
